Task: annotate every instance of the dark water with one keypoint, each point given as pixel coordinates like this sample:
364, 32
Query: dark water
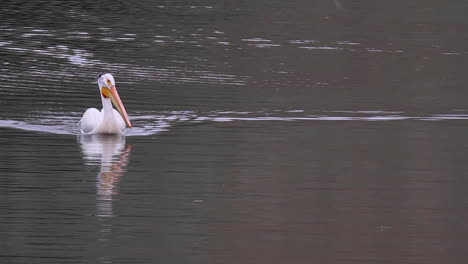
264, 132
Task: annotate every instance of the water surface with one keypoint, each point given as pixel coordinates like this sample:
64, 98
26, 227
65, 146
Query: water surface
264, 132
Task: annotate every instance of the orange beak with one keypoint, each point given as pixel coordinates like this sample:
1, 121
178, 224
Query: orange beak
115, 98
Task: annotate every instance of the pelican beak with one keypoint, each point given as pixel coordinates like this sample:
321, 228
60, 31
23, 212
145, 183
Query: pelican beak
115, 98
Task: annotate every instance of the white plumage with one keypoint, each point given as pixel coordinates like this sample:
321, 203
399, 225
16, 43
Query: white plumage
108, 120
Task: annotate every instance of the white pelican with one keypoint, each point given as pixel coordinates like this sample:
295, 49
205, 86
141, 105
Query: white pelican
107, 121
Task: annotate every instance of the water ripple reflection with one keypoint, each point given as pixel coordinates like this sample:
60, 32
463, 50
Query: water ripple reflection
150, 123
112, 155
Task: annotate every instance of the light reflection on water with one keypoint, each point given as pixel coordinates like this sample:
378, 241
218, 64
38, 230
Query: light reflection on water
151, 124
111, 155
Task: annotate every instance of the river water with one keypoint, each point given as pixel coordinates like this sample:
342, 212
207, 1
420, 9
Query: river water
330, 131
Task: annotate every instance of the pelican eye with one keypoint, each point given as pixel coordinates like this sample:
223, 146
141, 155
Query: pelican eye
109, 83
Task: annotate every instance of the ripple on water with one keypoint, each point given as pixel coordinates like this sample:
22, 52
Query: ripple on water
147, 123
40, 46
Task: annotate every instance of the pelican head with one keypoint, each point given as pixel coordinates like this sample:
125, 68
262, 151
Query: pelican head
108, 90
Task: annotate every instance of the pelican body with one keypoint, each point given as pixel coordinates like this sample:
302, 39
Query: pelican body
108, 120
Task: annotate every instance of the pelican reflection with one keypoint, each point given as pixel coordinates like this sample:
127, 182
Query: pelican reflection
112, 155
